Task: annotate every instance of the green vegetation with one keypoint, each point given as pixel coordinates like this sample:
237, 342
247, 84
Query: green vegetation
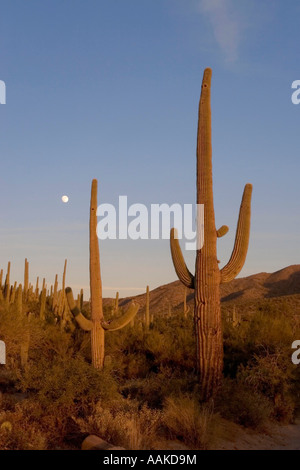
148, 393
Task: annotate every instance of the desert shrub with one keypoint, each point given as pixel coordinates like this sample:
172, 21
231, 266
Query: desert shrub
12, 328
242, 405
272, 376
156, 387
185, 419
18, 431
68, 383
127, 425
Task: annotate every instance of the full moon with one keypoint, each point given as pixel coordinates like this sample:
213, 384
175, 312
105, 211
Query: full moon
65, 199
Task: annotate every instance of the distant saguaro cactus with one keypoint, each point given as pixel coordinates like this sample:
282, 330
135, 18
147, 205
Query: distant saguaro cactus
43, 302
147, 312
19, 299
116, 309
26, 279
97, 325
208, 276
186, 308
55, 295
37, 292
7, 285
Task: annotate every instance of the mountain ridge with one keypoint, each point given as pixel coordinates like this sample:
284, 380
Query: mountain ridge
284, 282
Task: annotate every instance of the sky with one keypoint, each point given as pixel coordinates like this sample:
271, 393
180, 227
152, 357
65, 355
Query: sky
109, 89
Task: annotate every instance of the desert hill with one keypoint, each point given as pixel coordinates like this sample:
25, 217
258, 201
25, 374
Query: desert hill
285, 282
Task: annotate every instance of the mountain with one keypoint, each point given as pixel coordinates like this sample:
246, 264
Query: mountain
285, 282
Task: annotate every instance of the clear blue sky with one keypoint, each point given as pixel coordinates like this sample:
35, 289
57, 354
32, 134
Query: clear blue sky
109, 89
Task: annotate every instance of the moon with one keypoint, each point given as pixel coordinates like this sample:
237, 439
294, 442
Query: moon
65, 199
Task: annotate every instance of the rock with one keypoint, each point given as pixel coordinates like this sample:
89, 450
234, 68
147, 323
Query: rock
93, 442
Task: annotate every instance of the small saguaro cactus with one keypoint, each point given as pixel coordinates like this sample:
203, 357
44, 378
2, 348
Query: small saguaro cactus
116, 309
26, 279
147, 312
55, 295
37, 292
97, 324
19, 299
235, 317
13, 292
7, 285
186, 308
43, 302
208, 277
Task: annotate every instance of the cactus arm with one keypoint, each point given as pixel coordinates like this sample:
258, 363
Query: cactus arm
238, 256
181, 269
222, 231
83, 322
118, 323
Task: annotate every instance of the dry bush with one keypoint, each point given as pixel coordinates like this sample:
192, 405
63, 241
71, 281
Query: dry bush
18, 431
69, 383
128, 426
185, 419
241, 404
157, 386
271, 375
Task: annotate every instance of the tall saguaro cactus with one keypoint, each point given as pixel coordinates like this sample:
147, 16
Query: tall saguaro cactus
208, 277
97, 326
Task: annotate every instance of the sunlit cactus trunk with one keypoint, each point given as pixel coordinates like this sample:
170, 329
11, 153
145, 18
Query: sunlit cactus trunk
97, 326
96, 285
207, 316
208, 276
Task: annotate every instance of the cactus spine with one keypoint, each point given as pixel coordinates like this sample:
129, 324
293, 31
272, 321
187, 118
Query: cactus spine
97, 325
208, 276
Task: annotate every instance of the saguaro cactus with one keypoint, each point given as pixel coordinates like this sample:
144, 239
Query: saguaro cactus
208, 276
97, 325
43, 303
147, 312
55, 295
116, 309
186, 308
7, 285
19, 300
26, 279
37, 292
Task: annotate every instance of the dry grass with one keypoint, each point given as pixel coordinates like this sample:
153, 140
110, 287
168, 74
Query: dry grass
130, 428
187, 420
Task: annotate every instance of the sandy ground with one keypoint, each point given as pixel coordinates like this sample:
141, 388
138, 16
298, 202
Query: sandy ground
277, 438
